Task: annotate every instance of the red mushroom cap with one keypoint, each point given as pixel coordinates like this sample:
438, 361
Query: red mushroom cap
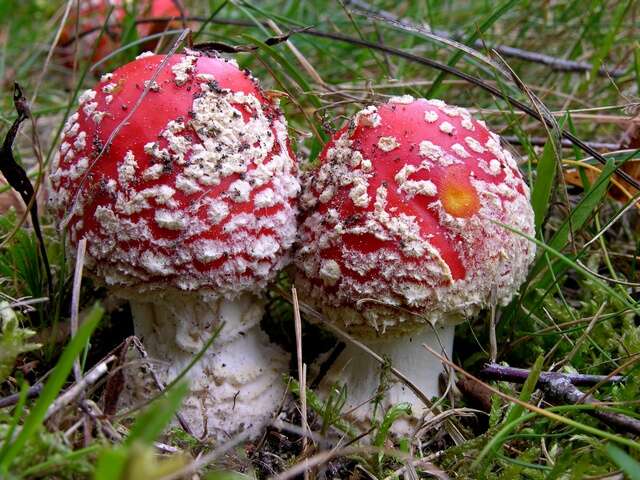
93, 14
157, 9
197, 190
404, 211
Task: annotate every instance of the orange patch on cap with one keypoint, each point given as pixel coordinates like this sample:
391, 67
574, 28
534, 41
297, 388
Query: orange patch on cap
458, 197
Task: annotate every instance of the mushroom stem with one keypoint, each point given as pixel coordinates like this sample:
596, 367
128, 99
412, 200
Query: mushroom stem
356, 369
237, 383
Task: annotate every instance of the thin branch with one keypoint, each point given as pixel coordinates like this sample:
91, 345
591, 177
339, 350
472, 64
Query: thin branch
11, 400
562, 388
550, 61
534, 408
494, 371
542, 141
80, 386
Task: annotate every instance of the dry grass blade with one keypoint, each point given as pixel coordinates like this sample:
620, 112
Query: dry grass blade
75, 298
302, 370
52, 49
280, 424
75, 308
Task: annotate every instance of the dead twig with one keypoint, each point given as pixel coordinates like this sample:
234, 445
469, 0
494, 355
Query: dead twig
494, 371
11, 400
550, 61
80, 386
562, 388
622, 422
542, 141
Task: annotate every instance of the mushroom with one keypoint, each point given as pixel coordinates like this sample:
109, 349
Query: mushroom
92, 14
187, 198
402, 238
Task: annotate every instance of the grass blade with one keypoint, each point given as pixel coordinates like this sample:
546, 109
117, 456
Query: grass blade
149, 424
52, 387
541, 192
515, 412
527, 389
579, 215
394, 413
629, 465
477, 32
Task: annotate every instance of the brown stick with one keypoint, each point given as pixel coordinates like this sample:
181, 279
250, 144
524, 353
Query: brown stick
542, 141
561, 388
554, 63
494, 371
11, 400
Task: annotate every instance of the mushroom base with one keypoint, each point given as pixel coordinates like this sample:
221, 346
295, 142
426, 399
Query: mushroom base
361, 374
238, 381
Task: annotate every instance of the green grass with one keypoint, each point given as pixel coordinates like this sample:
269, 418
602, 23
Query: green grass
551, 323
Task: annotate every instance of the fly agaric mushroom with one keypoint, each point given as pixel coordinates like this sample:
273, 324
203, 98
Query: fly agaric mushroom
187, 199
402, 239
92, 14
